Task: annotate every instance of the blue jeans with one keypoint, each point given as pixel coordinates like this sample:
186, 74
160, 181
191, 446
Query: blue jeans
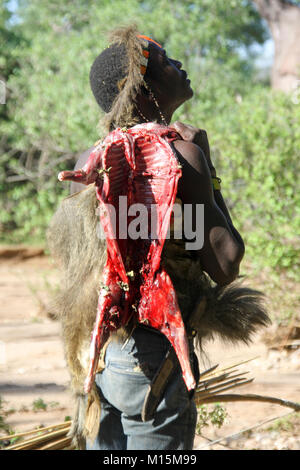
122, 387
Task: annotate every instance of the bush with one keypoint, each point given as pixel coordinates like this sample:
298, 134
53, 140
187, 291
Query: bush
256, 151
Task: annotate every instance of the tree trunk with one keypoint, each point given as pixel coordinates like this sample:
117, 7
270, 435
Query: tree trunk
283, 19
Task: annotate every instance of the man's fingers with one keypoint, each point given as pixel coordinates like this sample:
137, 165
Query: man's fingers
186, 131
189, 132
180, 126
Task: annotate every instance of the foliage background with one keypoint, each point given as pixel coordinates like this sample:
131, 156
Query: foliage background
50, 115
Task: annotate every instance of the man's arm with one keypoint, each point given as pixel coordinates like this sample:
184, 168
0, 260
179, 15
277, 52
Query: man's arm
222, 251
199, 137
222, 205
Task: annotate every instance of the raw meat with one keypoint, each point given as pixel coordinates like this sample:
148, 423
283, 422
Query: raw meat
137, 163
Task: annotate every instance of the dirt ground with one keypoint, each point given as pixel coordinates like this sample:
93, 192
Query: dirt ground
34, 378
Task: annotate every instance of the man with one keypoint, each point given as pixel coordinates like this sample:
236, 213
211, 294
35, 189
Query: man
223, 248
135, 82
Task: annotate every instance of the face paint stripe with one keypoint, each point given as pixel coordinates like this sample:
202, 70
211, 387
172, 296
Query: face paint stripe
149, 39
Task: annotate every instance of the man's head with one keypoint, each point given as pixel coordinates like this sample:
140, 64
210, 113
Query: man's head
106, 74
123, 76
167, 80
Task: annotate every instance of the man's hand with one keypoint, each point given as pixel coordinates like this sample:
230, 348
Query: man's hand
197, 136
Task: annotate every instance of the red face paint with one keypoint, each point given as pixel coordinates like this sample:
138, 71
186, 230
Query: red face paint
149, 39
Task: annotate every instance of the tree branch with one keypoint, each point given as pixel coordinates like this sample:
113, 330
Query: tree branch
250, 397
27, 173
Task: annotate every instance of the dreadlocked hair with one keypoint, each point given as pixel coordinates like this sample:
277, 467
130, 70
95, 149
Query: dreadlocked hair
116, 79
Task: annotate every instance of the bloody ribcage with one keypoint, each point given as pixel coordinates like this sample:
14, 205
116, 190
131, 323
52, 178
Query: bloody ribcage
150, 181
145, 182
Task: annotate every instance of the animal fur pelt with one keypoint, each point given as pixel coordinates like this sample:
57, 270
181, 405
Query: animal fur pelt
81, 255
233, 312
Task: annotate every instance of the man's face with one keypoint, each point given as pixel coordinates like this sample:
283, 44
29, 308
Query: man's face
169, 83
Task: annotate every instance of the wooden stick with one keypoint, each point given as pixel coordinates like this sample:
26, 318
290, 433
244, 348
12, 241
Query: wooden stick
237, 364
210, 441
220, 378
217, 387
57, 445
35, 431
208, 371
251, 397
31, 443
202, 396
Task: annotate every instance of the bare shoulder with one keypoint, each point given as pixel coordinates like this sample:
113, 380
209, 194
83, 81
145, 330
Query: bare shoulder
191, 154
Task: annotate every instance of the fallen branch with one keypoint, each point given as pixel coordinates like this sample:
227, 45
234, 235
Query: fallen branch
250, 397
